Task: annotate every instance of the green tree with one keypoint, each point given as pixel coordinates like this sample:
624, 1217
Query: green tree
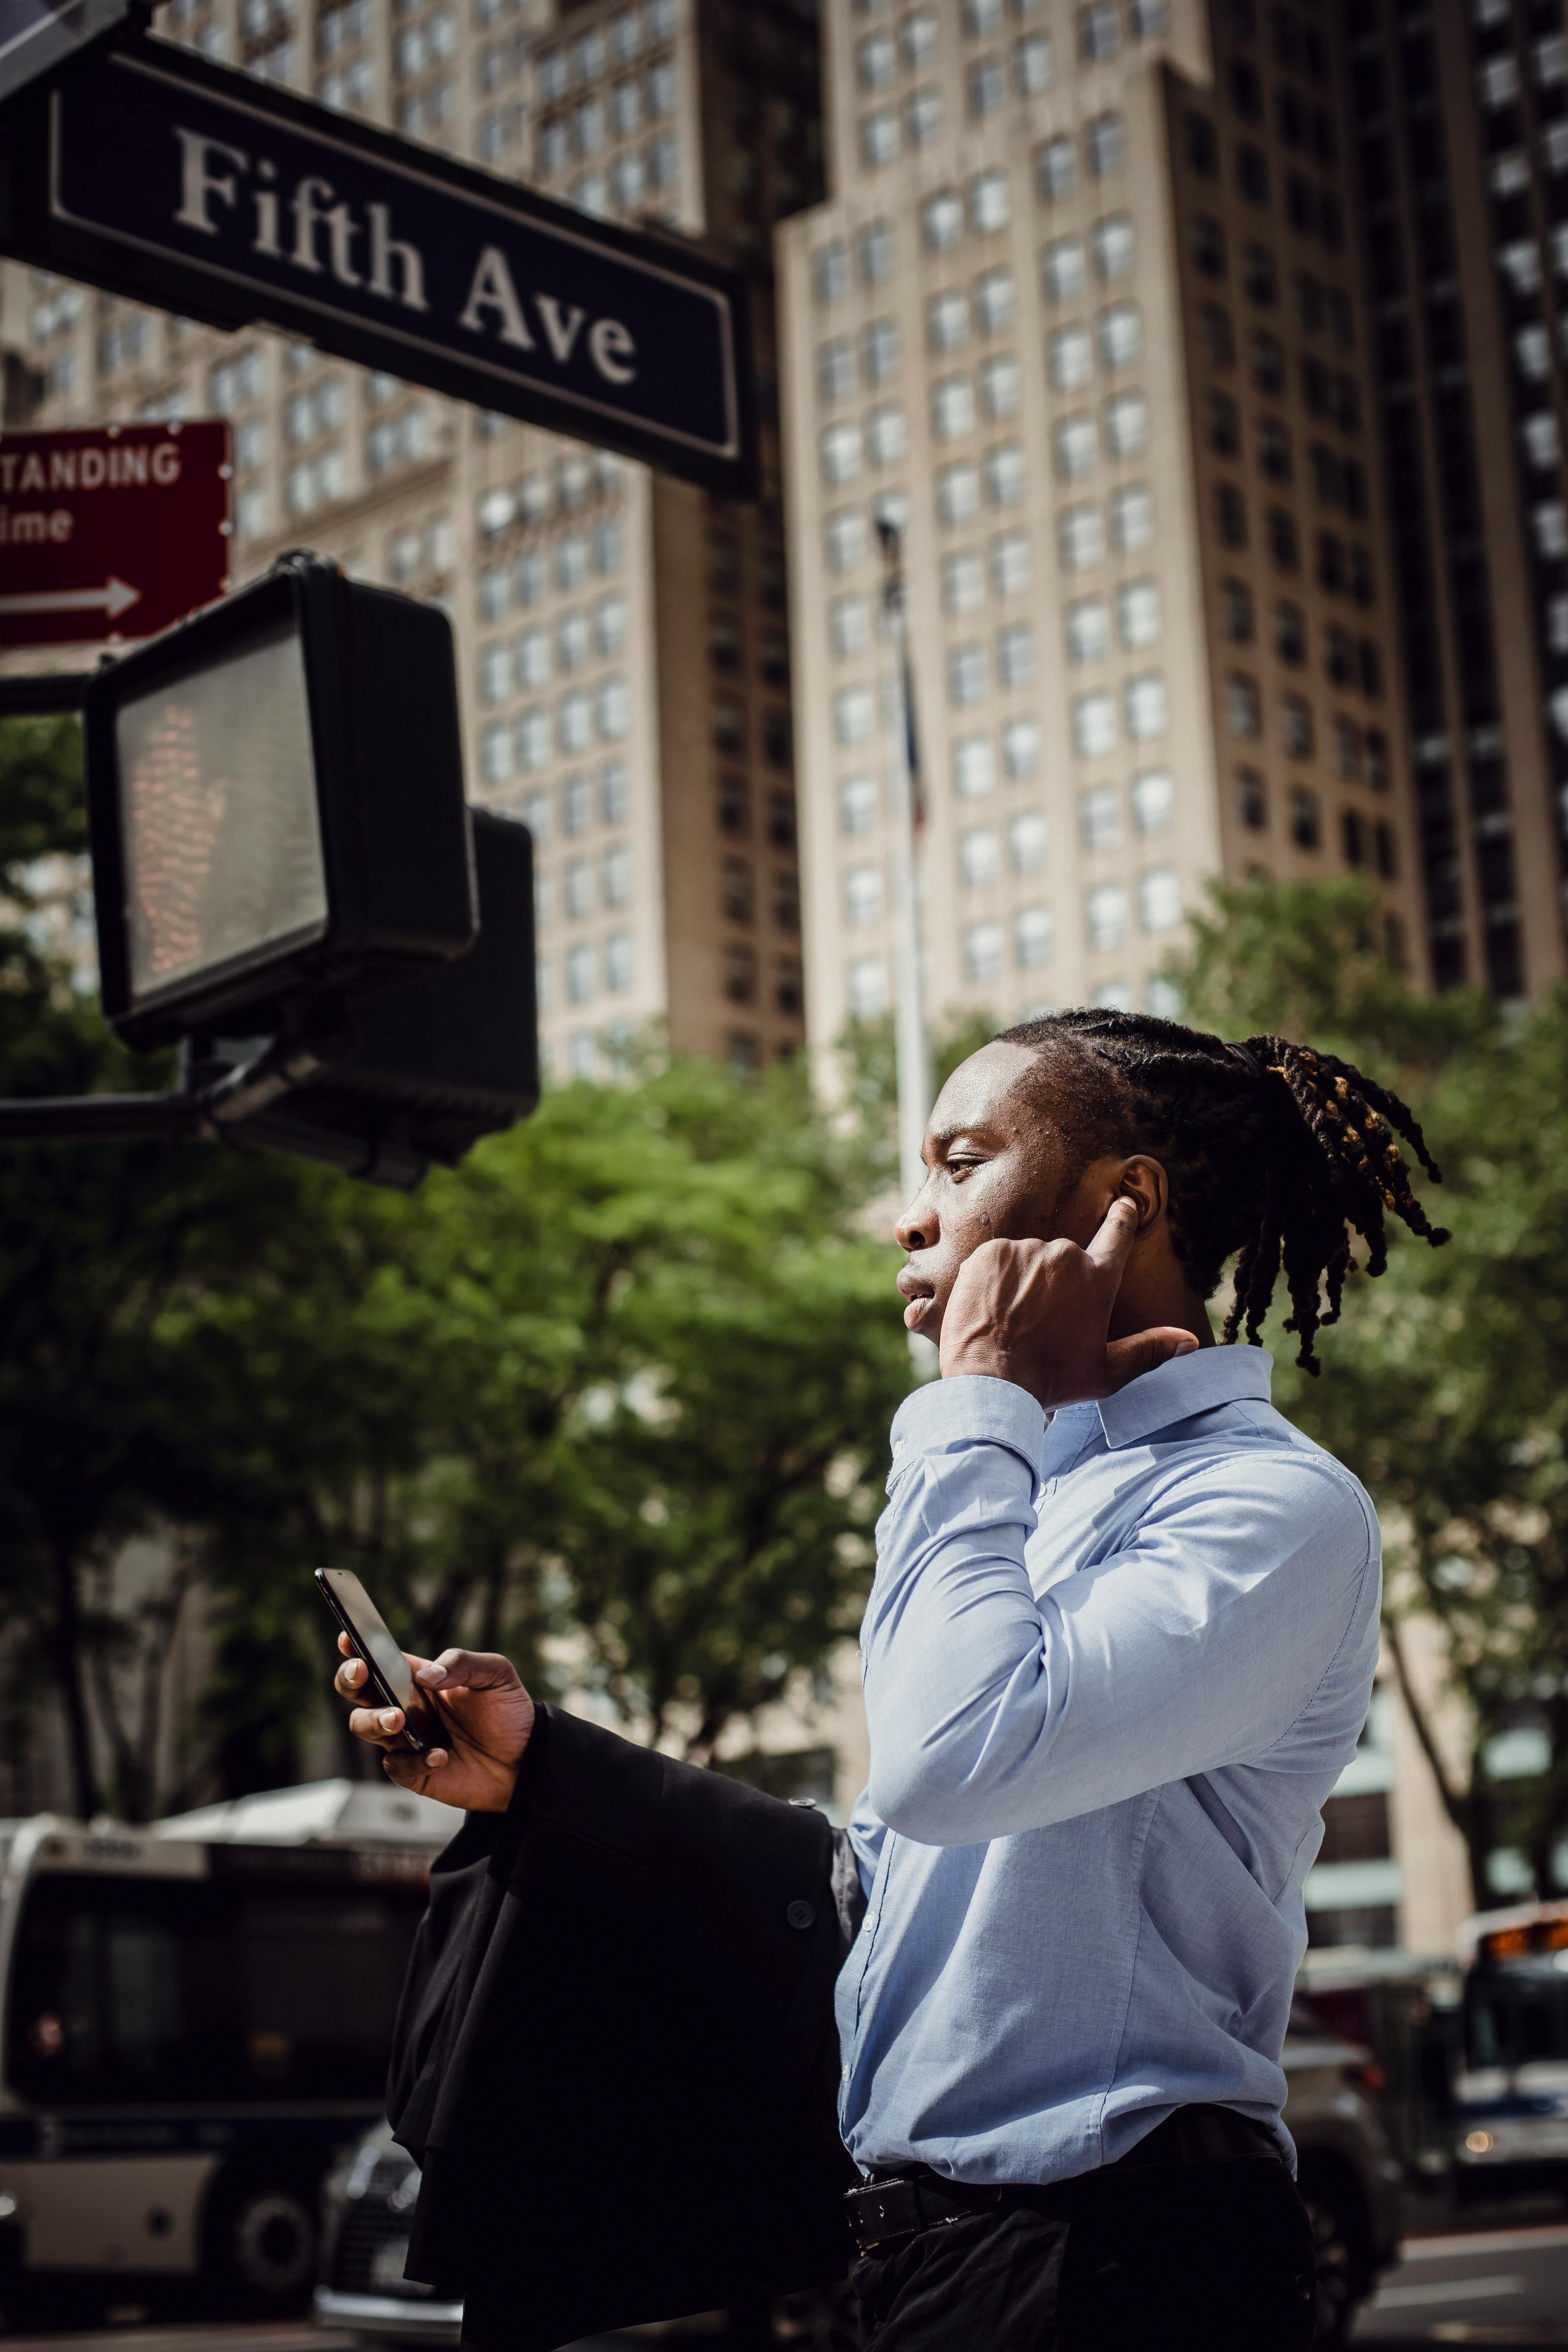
1447, 1382
650, 1362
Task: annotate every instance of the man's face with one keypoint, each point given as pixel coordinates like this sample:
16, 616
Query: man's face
995, 1170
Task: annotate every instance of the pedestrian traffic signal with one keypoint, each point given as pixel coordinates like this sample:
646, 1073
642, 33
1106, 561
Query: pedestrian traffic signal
276, 799
289, 883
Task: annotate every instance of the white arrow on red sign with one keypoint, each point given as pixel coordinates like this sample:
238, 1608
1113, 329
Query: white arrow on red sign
112, 598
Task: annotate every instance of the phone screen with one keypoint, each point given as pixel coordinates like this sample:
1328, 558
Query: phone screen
370, 1630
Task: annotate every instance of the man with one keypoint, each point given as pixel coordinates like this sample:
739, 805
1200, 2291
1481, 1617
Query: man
1117, 1650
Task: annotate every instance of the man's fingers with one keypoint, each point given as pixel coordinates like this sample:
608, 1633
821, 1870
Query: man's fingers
1112, 1244
349, 1678
379, 1725
465, 1670
1127, 1359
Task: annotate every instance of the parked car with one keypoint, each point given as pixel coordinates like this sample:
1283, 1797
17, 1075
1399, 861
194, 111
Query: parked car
1349, 2177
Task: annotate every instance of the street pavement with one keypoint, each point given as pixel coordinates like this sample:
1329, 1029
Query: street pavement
1499, 2287
1496, 2286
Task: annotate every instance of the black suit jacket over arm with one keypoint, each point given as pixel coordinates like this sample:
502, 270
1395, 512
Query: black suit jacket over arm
614, 2059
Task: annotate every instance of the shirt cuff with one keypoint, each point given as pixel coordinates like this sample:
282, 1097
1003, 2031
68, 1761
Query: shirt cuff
945, 1416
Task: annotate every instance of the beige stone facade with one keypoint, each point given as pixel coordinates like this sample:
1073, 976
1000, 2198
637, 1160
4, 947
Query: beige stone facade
1096, 338
622, 639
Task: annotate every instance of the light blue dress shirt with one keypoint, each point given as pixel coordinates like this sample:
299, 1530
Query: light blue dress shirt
1113, 1665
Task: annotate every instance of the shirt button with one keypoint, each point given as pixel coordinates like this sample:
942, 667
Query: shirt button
800, 1914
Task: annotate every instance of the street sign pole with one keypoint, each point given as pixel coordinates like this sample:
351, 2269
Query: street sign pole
159, 176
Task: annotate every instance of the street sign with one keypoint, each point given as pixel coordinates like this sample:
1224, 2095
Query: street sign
116, 533
161, 177
37, 35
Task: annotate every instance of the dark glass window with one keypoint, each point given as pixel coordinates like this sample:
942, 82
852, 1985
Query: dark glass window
1230, 515
152, 1990
1221, 424
1252, 173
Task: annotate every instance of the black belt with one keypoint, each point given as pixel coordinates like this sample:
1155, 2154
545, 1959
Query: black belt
915, 2197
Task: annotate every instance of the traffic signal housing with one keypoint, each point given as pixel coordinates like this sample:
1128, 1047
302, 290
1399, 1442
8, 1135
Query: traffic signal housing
275, 795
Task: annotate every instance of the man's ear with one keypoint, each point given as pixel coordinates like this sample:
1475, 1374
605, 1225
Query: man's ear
1142, 1180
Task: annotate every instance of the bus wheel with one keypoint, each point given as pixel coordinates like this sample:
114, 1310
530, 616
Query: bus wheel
262, 2242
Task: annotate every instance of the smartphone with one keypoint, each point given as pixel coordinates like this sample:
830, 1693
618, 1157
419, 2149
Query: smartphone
390, 1683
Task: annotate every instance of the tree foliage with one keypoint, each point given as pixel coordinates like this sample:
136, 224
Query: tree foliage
1446, 1387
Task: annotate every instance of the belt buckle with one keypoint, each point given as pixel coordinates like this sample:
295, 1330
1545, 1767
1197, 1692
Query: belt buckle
890, 2209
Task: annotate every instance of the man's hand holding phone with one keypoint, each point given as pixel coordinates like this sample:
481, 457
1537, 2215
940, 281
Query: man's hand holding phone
474, 1732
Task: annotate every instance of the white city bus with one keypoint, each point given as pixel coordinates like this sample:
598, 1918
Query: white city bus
197, 2021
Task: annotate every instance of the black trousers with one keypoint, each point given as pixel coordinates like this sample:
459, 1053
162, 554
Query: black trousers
1162, 2258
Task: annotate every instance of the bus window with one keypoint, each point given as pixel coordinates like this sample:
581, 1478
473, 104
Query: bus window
163, 1991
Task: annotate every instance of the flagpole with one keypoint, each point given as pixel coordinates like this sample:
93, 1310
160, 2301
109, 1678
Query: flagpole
911, 1049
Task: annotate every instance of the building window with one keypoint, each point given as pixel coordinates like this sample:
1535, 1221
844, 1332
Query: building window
1075, 443
1032, 936
876, 251
1236, 623
1010, 563
1138, 613
1243, 705
1207, 247
881, 349
1056, 169
1016, 656
995, 301
1094, 725
941, 220
965, 675
879, 137
857, 804
580, 972
854, 718
1032, 65
953, 407
979, 857
1159, 899
1105, 145
1088, 629
962, 582
1284, 539
922, 117
1289, 632
846, 535
1062, 272
1306, 827
987, 86
1099, 817
830, 273
1152, 797
1120, 336
1126, 424
887, 436
1070, 357
1080, 537
1021, 748
974, 767
1004, 475
1131, 511
982, 952
1105, 915
1230, 514
999, 387
1028, 836
1274, 449
739, 967
1145, 707
868, 988
1251, 799
1296, 733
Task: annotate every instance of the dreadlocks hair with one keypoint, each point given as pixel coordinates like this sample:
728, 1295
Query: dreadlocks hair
1274, 1153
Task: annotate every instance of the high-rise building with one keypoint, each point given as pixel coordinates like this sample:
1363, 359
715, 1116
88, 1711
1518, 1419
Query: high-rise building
1461, 120
622, 638
1084, 315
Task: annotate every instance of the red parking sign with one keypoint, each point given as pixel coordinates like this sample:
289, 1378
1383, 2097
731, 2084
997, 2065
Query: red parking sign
116, 533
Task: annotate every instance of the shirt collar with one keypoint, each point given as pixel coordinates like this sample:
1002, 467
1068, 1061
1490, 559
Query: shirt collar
1184, 1385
